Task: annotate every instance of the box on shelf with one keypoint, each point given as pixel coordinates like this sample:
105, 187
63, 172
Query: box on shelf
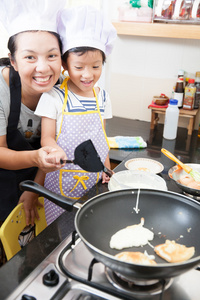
136, 11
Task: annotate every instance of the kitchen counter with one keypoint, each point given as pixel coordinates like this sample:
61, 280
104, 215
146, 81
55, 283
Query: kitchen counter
188, 150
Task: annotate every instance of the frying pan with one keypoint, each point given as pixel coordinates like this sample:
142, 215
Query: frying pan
175, 175
169, 215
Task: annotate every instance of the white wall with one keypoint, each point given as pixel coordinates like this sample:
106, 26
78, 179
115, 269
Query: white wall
139, 67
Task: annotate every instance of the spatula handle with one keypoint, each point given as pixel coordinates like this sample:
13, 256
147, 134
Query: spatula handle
108, 171
187, 169
66, 161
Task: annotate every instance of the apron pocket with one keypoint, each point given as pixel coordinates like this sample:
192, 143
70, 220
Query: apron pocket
75, 183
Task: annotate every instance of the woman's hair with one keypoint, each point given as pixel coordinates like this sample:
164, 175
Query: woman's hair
80, 51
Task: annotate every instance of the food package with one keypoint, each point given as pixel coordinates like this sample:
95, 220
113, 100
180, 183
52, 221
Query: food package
177, 11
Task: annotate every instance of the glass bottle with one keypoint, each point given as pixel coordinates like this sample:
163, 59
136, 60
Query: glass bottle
179, 91
197, 94
189, 95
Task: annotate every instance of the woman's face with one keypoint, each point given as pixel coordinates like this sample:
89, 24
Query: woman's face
37, 60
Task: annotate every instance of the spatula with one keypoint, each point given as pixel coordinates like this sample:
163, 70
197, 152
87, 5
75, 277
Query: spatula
194, 174
86, 157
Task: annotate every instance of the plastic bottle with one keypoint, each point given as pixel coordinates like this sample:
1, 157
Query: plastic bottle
171, 120
189, 95
197, 94
179, 91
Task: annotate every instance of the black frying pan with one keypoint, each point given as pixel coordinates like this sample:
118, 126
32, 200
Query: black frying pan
175, 174
170, 216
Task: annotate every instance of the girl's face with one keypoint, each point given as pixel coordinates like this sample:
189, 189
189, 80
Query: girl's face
84, 71
37, 60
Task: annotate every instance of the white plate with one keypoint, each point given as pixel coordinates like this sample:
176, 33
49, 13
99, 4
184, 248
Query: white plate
144, 164
137, 180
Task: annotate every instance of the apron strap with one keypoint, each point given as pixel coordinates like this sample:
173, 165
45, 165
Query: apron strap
15, 99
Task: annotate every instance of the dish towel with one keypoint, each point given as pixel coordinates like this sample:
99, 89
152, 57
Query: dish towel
127, 142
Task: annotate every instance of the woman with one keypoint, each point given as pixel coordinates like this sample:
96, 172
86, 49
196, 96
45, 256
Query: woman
34, 67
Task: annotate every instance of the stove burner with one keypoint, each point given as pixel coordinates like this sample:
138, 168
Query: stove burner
192, 196
137, 288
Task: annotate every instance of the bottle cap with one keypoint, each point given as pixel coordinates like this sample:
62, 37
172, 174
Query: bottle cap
191, 80
181, 72
173, 102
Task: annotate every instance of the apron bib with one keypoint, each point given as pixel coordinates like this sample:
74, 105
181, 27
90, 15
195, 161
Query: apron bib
72, 181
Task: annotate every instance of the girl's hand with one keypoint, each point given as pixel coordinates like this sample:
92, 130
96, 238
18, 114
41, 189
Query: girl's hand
30, 202
47, 160
56, 156
105, 178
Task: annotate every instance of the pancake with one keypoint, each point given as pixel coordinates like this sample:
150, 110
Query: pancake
135, 257
173, 252
131, 236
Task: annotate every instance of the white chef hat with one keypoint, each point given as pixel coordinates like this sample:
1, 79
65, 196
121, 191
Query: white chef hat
23, 15
85, 26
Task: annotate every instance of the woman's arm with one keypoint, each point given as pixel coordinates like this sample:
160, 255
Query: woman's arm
16, 160
30, 200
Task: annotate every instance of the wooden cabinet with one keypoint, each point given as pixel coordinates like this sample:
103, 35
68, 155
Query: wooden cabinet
169, 30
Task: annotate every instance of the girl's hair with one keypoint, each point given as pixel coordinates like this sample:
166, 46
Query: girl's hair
80, 51
12, 46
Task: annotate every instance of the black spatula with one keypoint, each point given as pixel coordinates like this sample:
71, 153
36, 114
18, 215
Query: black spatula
86, 157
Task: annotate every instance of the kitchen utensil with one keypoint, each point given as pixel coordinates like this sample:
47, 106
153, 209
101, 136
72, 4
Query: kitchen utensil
169, 215
194, 174
175, 174
87, 158
137, 180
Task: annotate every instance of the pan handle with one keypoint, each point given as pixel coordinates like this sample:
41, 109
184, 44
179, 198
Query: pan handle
31, 186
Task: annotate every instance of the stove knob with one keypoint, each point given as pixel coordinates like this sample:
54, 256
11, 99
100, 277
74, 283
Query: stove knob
51, 278
27, 297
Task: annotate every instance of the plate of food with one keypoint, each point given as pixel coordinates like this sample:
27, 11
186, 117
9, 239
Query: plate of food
144, 164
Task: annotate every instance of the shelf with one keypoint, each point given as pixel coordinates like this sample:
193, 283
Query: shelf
180, 31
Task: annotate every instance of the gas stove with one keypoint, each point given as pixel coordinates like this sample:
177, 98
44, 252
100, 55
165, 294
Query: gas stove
70, 272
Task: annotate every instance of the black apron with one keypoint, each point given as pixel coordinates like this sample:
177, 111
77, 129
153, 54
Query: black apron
9, 180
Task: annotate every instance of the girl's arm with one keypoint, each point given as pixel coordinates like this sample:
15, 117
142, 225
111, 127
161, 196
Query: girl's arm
105, 177
48, 134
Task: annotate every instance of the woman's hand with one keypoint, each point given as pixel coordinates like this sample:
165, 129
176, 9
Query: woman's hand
30, 202
48, 159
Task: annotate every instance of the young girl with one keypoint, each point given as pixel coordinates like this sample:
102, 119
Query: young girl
76, 111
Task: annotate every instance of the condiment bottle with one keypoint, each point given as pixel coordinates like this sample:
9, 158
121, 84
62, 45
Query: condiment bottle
179, 91
171, 120
197, 94
189, 95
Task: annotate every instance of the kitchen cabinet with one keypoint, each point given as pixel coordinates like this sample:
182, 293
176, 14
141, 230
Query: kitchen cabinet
166, 30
